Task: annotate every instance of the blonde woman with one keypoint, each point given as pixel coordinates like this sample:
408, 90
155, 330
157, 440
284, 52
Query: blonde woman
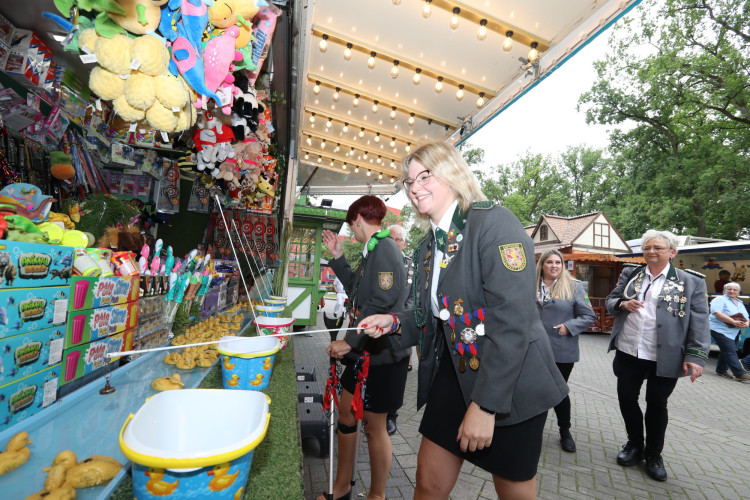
565, 312
486, 370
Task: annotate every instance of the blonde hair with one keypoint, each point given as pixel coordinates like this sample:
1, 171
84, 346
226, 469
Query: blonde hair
448, 166
564, 287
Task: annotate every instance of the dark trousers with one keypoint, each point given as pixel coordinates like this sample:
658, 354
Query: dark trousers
562, 410
631, 372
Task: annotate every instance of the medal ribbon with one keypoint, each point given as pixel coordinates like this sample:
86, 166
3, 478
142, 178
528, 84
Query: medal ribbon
460, 347
466, 318
452, 322
479, 313
445, 302
473, 349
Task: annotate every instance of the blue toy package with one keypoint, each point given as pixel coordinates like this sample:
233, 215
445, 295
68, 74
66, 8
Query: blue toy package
23, 398
30, 309
29, 265
28, 353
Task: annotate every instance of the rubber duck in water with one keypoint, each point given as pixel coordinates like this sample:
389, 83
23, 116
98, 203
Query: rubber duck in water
228, 365
168, 383
94, 470
55, 487
222, 480
156, 486
234, 380
258, 380
16, 453
267, 363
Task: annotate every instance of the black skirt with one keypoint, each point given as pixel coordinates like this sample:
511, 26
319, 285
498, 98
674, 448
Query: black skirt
384, 390
515, 449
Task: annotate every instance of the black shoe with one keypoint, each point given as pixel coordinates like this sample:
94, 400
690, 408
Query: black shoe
630, 455
390, 425
566, 441
655, 468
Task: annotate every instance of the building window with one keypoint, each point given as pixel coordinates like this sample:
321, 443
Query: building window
543, 233
601, 235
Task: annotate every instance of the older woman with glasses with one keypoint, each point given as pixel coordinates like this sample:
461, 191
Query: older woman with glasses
486, 370
728, 316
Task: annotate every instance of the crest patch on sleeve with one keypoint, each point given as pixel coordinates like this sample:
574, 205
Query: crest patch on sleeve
385, 280
514, 258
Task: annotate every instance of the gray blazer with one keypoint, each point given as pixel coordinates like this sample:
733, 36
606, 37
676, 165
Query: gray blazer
683, 333
374, 288
490, 267
407, 297
577, 315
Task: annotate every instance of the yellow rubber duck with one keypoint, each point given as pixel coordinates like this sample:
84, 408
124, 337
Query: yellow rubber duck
226, 363
94, 470
55, 487
267, 363
156, 486
234, 380
258, 380
16, 453
221, 480
238, 494
167, 383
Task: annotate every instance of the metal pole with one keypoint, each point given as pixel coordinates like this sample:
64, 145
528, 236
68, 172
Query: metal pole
234, 251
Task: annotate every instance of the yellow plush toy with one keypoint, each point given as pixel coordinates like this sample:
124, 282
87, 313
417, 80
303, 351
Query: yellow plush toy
113, 53
106, 84
87, 40
141, 16
224, 13
126, 111
161, 118
152, 55
139, 90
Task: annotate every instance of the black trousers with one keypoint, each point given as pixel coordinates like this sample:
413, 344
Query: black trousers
562, 410
631, 372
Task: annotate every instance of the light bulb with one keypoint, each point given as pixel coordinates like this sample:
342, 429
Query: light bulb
393, 113
369, 173
508, 42
393, 179
408, 147
307, 156
396, 2
348, 51
427, 9
417, 77
393, 142
329, 123
323, 144
379, 160
351, 153
454, 18
356, 170
355, 102
338, 148
393, 165
343, 166
375, 106
364, 156
377, 137
320, 160
533, 53
331, 162
394, 70
362, 132
482, 31
480, 100
411, 118
323, 43
460, 92
371, 60
346, 128
337, 94
309, 140
380, 177
439, 85
316, 88
312, 118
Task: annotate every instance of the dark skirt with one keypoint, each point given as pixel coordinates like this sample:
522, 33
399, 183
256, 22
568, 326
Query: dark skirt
515, 450
384, 391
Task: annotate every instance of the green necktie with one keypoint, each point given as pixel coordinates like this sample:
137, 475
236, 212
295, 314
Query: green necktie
441, 238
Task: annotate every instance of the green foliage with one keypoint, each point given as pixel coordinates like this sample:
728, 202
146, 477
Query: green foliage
102, 211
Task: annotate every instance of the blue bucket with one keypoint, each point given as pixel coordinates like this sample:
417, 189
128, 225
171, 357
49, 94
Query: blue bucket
174, 452
246, 363
271, 311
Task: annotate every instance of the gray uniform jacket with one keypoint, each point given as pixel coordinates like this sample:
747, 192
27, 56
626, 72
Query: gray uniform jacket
490, 269
374, 288
407, 297
681, 318
577, 315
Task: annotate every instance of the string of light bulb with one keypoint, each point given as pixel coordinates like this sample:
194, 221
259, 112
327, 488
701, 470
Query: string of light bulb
358, 96
330, 162
352, 125
347, 148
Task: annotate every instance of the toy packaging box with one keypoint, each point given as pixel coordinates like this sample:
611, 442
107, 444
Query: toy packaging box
23, 398
83, 359
28, 353
89, 293
29, 265
30, 309
92, 324
29, 56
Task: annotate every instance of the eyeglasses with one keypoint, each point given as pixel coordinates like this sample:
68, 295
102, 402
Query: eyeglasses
654, 249
422, 178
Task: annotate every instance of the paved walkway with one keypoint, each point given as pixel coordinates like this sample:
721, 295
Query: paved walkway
707, 450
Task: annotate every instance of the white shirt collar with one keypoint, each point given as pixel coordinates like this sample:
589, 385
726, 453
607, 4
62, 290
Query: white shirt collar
663, 272
445, 221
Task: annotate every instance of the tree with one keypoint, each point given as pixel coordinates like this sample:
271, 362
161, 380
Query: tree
680, 76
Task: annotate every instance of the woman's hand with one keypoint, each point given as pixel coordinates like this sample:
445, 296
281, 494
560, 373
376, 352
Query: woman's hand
632, 305
476, 430
376, 325
338, 349
694, 370
333, 243
561, 329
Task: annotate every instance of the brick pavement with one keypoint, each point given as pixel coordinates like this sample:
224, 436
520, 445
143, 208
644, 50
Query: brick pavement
707, 449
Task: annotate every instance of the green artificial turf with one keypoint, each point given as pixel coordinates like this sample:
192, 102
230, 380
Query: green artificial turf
276, 470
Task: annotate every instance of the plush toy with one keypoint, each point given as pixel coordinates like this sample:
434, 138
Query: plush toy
61, 166
171, 91
187, 61
204, 138
139, 91
106, 84
126, 111
122, 239
246, 108
141, 16
217, 58
150, 55
28, 200
226, 13
113, 54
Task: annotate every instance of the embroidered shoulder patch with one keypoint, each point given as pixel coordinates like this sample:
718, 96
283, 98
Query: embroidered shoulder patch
588, 302
385, 280
483, 204
513, 256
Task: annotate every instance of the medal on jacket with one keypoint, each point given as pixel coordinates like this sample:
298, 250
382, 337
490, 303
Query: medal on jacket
461, 360
458, 310
444, 313
479, 314
468, 336
474, 361
452, 322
